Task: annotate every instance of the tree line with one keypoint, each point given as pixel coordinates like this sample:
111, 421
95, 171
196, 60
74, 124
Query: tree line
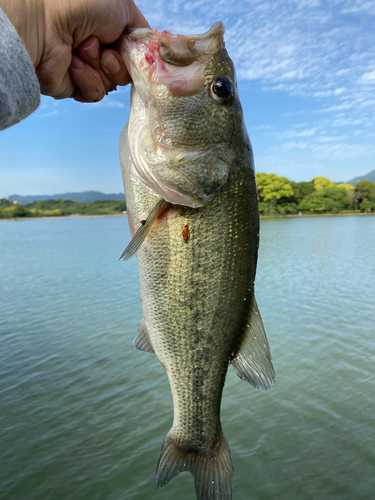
279, 195
60, 207
276, 196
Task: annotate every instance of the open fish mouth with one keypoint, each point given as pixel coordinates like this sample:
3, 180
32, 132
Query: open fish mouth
179, 50
177, 61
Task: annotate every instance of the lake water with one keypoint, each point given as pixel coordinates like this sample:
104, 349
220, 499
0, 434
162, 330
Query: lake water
83, 414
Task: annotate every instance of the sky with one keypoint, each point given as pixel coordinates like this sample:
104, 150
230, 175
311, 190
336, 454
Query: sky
306, 77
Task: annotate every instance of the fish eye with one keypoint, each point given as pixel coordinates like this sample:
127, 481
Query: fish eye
222, 89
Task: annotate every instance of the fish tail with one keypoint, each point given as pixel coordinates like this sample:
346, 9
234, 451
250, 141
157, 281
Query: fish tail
212, 471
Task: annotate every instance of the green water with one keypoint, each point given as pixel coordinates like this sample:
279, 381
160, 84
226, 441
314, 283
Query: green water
83, 414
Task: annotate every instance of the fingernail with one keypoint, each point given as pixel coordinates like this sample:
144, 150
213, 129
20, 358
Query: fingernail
76, 63
110, 62
92, 51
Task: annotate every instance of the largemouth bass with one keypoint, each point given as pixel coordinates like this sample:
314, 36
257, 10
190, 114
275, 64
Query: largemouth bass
189, 179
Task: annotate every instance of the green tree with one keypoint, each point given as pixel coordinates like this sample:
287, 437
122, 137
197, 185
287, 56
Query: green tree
330, 199
4, 203
19, 211
302, 189
365, 188
321, 183
272, 190
351, 193
365, 193
347, 187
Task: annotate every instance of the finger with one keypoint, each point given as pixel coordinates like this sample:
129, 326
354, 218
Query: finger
90, 53
88, 81
113, 66
58, 90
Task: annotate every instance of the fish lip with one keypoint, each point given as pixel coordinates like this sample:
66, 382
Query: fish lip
139, 33
217, 28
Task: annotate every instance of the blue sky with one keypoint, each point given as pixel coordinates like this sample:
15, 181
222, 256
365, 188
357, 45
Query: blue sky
306, 75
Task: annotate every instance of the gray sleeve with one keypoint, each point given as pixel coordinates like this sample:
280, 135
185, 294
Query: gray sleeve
19, 87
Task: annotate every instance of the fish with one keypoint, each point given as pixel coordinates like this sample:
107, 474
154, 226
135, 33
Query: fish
190, 188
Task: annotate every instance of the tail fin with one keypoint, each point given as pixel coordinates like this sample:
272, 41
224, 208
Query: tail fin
212, 472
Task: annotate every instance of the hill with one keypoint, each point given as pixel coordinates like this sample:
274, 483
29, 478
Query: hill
83, 197
367, 177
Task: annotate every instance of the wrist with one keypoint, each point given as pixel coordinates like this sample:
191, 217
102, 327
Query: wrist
28, 17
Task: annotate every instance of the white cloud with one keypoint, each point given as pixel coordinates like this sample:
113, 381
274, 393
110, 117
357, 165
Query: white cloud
357, 6
296, 145
343, 122
328, 138
303, 133
106, 102
49, 113
368, 77
262, 127
113, 104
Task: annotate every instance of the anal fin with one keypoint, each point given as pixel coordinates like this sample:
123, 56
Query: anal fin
142, 340
253, 361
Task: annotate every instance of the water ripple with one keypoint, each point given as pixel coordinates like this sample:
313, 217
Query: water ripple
83, 414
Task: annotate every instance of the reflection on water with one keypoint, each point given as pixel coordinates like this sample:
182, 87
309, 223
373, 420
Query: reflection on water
83, 414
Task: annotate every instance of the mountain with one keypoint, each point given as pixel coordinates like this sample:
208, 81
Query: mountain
367, 177
84, 197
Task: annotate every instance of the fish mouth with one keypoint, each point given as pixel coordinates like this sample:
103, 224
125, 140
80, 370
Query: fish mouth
180, 50
177, 62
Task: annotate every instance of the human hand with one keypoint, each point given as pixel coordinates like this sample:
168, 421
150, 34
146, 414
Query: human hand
68, 43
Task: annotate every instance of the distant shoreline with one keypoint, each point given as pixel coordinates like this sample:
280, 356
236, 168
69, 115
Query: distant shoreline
287, 216
66, 217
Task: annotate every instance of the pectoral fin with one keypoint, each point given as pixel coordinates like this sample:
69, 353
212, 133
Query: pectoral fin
253, 360
142, 340
143, 230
